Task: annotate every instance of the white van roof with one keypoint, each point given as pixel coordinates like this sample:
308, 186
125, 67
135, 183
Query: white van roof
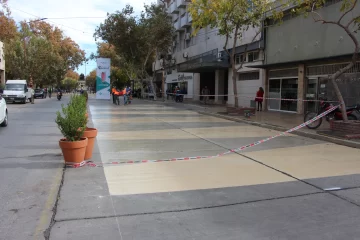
16, 82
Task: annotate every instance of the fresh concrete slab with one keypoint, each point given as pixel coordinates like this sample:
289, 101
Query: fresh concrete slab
312, 161
158, 145
207, 198
225, 171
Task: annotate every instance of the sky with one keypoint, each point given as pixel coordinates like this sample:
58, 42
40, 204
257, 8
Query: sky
81, 28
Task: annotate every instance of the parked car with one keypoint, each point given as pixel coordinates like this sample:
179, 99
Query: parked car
3, 112
40, 93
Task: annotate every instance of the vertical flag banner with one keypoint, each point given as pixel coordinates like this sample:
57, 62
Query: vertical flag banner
103, 78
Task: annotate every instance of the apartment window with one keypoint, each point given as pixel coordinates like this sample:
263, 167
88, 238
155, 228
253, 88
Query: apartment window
249, 76
239, 58
253, 56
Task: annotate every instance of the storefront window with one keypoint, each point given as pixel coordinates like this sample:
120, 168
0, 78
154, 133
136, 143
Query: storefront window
285, 89
289, 91
184, 87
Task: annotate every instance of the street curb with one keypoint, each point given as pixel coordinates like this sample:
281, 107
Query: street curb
338, 141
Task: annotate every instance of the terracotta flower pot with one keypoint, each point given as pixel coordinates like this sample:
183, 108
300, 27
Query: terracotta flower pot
74, 152
90, 134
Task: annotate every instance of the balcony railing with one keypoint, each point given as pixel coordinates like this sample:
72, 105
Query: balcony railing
174, 8
181, 3
184, 21
177, 25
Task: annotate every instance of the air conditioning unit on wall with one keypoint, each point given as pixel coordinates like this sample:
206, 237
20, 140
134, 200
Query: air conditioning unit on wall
185, 54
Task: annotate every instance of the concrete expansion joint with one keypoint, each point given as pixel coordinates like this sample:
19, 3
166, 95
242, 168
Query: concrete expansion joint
47, 232
189, 209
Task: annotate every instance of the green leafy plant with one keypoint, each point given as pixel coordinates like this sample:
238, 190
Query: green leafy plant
71, 120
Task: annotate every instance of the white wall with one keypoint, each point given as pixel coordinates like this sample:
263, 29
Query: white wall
246, 89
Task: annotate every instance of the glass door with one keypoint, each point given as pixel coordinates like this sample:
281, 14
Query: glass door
289, 89
311, 94
274, 92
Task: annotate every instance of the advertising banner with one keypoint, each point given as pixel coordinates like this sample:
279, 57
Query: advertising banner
103, 78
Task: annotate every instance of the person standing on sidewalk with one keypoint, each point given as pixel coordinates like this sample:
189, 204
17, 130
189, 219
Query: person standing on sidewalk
205, 91
259, 98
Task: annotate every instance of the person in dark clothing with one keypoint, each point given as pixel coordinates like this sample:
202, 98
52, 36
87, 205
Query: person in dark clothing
259, 98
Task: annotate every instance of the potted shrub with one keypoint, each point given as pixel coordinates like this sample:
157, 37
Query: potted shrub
72, 124
89, 133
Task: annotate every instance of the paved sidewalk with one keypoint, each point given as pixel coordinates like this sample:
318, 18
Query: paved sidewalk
276, 190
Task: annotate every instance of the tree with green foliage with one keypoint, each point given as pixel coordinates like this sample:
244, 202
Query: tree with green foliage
90, 80
38, 49
232, 18
136, 39
118, 78
69, 83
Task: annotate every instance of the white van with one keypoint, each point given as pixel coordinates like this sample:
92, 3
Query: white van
17, 91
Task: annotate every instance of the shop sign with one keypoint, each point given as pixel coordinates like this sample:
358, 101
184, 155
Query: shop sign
179, 77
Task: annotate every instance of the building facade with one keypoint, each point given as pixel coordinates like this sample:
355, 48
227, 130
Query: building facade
296, 62
2, 64
202, 57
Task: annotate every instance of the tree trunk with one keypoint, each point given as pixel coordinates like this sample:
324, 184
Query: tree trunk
233, 67
340, 98
337, 90
236, 98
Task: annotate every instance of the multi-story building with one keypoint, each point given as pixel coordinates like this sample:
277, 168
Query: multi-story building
300, 53
2, 64
194, 62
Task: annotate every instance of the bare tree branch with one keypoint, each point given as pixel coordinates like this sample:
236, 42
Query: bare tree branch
345, 13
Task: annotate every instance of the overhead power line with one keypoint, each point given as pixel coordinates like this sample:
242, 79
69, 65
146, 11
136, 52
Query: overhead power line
73, 17
46, 19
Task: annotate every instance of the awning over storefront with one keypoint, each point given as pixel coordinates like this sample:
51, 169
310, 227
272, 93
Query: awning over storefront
206, 62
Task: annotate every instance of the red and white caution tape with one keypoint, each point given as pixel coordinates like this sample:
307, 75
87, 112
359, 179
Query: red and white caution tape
91, 164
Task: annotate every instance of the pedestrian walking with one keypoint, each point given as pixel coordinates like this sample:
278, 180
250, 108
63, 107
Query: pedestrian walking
125, 95
259, 98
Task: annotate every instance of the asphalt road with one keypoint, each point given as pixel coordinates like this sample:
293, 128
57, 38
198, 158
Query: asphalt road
30, 169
